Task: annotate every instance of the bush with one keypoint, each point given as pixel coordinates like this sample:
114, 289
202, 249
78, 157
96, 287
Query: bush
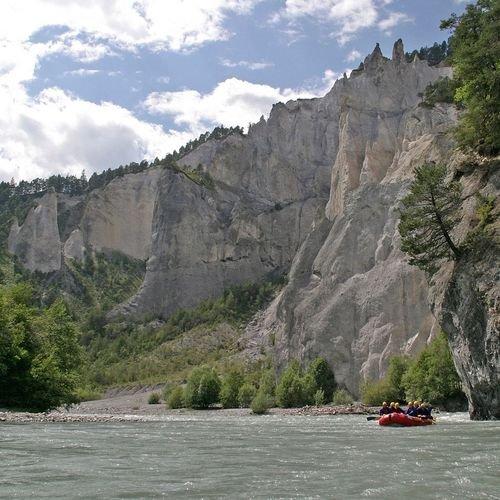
176, 398
322, 375
398, 366
432, 376
230, 389
202, 389
442, 90
261, 403
290, 389
342, 397
319, 397
154, 398
267, 382
246, 394
375, 392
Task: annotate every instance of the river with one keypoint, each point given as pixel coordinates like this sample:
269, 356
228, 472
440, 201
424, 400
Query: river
212, 455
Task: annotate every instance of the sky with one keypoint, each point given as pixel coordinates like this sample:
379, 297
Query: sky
86, 86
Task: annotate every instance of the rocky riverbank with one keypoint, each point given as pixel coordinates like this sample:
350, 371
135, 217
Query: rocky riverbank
104, 411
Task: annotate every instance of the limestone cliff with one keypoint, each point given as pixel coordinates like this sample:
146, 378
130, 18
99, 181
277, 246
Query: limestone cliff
465, 297
116, 217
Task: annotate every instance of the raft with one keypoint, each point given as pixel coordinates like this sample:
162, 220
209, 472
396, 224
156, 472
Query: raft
402, 420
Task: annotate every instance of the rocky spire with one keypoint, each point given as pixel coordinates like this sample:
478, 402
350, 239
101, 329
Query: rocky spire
374, 58
398, 51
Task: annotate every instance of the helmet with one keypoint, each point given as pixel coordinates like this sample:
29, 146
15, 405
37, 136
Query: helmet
392, 404
396, 405
384, 403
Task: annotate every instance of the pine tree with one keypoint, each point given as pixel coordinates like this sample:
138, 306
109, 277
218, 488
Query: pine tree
429, 213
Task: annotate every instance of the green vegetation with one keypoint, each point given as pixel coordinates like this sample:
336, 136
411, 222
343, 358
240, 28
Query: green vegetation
176, 398
430, 211
431, 377
435, 54
322, 376
261, 403
319, 397
202, 389
475, 56
246, 394
442, 90
123, 353
341, 398
231, 384
39, 352
154, 398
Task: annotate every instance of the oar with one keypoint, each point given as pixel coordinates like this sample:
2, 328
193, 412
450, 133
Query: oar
372, 417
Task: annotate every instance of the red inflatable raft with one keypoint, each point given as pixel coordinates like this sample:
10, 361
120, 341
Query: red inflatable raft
402, 420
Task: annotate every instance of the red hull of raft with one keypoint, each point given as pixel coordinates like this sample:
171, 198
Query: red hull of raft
400, 419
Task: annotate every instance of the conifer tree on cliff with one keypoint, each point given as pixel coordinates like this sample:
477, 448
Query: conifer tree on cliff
429, 213
475, 57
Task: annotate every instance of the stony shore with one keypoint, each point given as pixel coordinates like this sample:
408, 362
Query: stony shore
136, 409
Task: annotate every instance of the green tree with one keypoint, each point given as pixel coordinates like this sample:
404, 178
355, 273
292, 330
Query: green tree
261, 403
432, 376
290, 389
267, 382
429, 212
475, 57
39, 352
323, 376
398, 366
246, 394
342, 397
231, 384
176, 398
202, 388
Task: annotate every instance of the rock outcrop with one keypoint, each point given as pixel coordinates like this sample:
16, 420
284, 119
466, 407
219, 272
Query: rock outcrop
116, 217
465, 297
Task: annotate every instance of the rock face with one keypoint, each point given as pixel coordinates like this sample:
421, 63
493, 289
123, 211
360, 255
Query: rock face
351, 296
115, 218
465, 297
36, 242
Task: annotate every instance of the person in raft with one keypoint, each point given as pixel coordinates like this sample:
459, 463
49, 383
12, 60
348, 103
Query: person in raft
425, 410
397, 409
385, 410
409, 408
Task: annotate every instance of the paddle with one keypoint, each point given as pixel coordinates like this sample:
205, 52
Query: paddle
372, 417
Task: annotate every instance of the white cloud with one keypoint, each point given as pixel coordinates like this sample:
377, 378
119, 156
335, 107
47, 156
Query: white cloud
348, 16
59, 133
232, 102
252, 65
173, 24
82, 72
354, 55
392, 20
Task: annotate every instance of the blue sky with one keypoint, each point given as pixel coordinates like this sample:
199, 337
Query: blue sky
91, 85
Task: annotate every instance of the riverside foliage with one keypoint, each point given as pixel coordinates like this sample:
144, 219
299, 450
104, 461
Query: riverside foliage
39, 352
431, 376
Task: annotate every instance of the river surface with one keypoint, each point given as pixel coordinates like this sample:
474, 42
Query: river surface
212, 455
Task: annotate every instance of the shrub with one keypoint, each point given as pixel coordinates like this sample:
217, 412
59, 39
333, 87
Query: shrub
176, 398
154, 398
246, 394
432, 376
375, 392
267, 382
202, 389
261, 403
398, 366
342, 397
442, 90
322, 375
230, 389
319, 397
290, 389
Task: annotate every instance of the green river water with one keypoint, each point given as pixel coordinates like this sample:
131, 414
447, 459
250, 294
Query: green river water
212, 455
